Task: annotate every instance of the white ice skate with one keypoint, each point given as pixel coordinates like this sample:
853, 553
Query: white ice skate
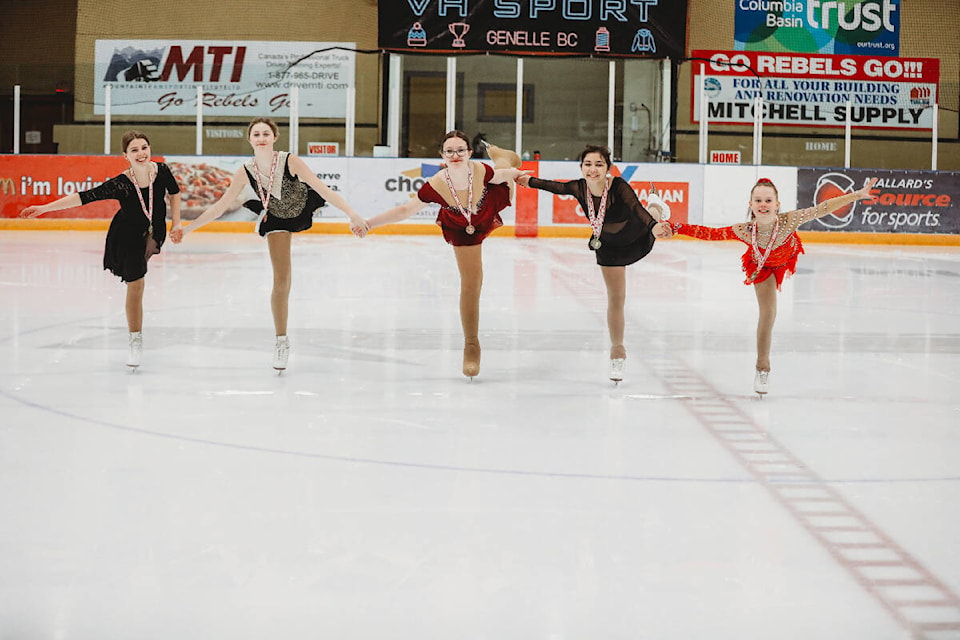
760, 382
281, 353
135, 350
616, 369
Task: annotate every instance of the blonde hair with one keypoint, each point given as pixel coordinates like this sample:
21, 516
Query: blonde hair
267, 121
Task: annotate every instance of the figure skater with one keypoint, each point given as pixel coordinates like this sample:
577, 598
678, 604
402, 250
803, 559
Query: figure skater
471, 195
773, 247
623, 233
137, 231
289, 192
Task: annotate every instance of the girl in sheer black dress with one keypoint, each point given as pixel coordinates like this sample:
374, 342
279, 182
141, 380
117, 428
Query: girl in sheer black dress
623, 233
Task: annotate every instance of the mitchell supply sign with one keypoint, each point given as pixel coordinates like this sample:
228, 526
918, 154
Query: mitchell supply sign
813, 90
160, 77
855, 27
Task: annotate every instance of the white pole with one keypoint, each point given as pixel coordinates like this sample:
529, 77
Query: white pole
349, 140
703, 115
107, 106
16, 118
847, 136
393, 106
518, 145
451, 94
757, 130
199, 144
294, 119
934, 136
665, 105
611, 101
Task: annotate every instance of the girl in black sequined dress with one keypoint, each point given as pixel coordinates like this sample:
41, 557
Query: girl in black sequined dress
288, 194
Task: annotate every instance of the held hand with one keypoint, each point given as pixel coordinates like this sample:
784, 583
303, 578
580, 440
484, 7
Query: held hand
31, 212
359, 227
523, 179
662, 230
176, 234
864, 193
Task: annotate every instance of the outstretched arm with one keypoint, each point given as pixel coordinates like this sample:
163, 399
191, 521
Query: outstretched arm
704, 233
563, 188
219, 207
73, 200
396, 214
829, 206
507, 175
300, 169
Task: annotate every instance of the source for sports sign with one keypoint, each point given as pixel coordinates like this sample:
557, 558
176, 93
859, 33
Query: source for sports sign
903, 202
641, 28
813, 89
856, 27
160, 77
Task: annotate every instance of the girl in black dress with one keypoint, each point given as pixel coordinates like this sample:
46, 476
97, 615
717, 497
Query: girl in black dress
623, 233
138, 229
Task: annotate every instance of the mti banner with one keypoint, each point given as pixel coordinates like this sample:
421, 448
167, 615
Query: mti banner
857, 27
160, 77
813, 90
641, 28
903, 202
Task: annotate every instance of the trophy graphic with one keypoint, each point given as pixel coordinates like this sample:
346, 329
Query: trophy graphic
459, 29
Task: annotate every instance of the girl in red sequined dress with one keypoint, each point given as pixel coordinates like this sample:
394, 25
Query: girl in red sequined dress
773, 247
471, 196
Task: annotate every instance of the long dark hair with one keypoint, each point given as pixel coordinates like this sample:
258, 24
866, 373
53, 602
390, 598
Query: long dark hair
596, 148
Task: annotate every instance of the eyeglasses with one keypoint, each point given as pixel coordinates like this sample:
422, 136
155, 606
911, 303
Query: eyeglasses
455, 152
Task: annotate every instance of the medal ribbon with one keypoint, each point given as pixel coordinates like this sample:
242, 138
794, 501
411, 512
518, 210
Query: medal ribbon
143, 206
466, 211
596, 219
770, 243
265, 196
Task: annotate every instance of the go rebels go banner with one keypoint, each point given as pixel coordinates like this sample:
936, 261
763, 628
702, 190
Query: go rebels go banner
903, 201
812, 90
641, 28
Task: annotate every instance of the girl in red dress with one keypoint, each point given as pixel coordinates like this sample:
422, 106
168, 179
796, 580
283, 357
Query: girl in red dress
471, 195
773, 247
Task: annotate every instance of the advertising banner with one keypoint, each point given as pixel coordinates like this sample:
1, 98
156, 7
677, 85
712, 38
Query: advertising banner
673, 183
33, 180
857, 27
904, 201
160, 77
813, 90
641, 28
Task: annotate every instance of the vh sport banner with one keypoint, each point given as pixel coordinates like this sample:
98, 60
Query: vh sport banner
650, 28
813, 90
160, 77
857, 27
903, 201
